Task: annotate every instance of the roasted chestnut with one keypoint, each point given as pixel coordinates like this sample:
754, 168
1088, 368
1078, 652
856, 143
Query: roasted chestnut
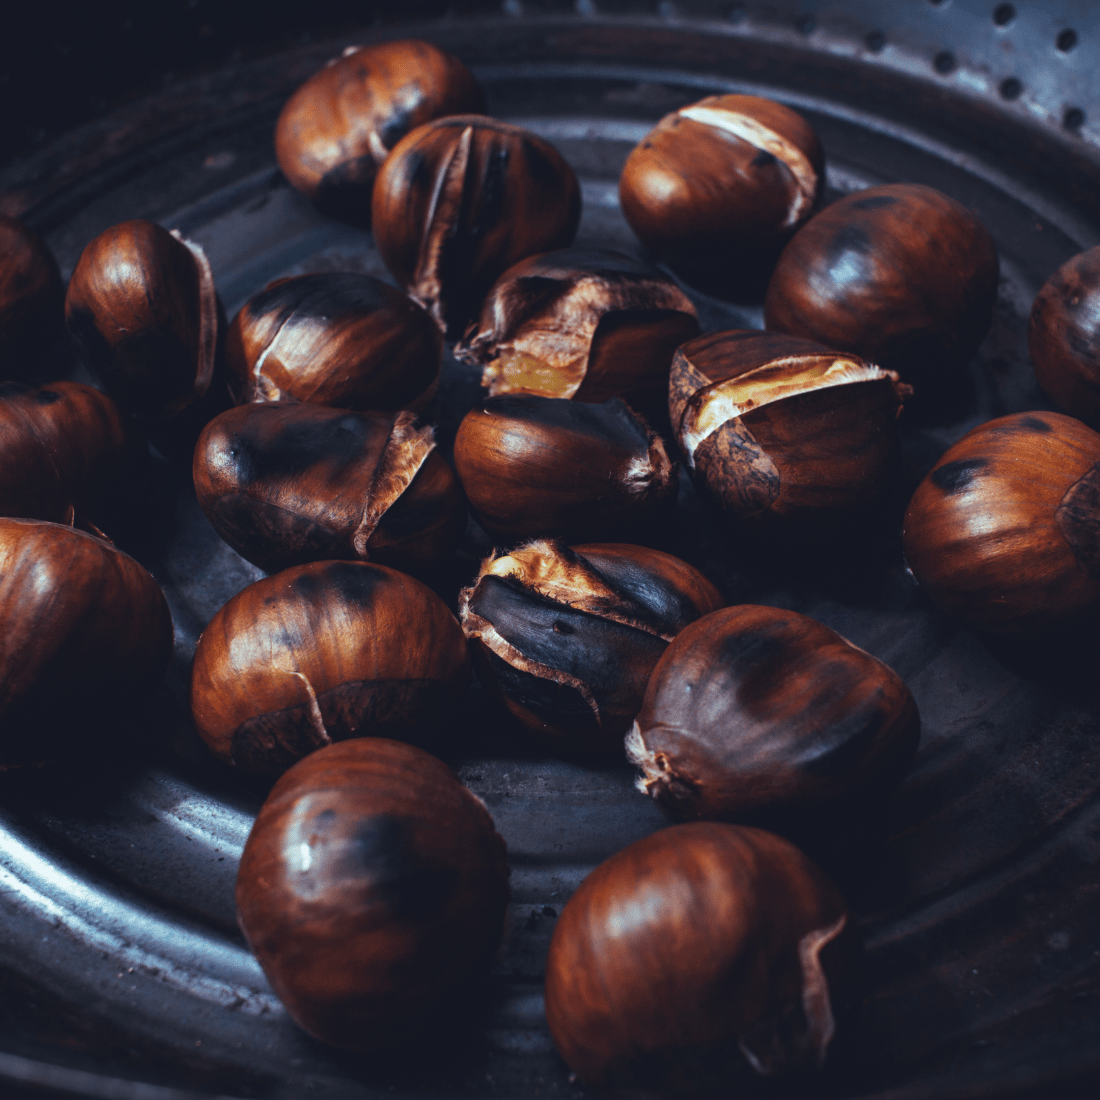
341, 124
87, 636
1004, 533
700, 961
373, 889
718, 187
566, 638
345, 340
1063, 337
285, 483
460, 200
32, 298
760, 714
321, 653
780, 430
900, 274
537, 467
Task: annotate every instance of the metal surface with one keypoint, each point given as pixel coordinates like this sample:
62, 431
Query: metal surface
978, 892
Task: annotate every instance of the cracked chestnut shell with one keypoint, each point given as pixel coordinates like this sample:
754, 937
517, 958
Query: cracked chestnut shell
285, 483
372, 890
325, 652
699, 962
547, 467
32, 299
1004, 532
757, 713
336, 130
87, 637
566, 637
459, 200
340, 339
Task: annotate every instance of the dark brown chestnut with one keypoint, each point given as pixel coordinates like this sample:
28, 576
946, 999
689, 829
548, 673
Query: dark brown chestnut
321, 653
547, 467
901, 275
566, 637
1004, 532
340, 125
286, 483
344, 340
87, 637
32, 299
703, 960
761, 714
373, 889
459, 200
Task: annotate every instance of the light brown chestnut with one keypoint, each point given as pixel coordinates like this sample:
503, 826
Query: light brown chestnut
287, 483
339, 339
373, 889
459, 200
761, 714
336, 130
321, 653
1004, 532
32, 299
707, 960
566, 637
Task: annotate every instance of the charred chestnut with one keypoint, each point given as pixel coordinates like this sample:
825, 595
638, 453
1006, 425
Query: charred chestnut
756, 713
566, 637
345, 340
340, 125
699, 961
373, 890
538, 467
1004, 533
321, 653
285, 484
87, 636
460, 200
31, 299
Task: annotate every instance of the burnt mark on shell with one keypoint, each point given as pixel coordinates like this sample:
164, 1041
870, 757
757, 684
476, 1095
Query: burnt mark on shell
848, 240
763, 159
873, 202
1078, 518
397, 126
953, 477
1035, 424
837, 747
324, 296
354, 582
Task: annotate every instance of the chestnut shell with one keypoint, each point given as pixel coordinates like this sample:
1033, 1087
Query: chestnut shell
32, 299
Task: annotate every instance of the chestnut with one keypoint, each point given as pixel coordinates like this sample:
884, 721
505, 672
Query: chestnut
321, 653
717, 188
87, 636
901, 275
372, 890
566, 637
340, 125
536, 467
32, 299
1004, 532
701, 961
757, 713
339, 339
285, 483
459, 200
781, 430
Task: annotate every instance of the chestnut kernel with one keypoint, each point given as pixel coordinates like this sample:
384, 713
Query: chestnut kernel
566, 637
323, 652
285, 484
31, 299
756, 713
700, 960
372, 890
1004, 532
336, 130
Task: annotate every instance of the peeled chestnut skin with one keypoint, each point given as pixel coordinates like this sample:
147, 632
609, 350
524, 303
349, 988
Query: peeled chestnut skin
345, 340
326, 652
706, 960
372, 890
336, 130
1004, 532
761, 714
565, 637
31, 299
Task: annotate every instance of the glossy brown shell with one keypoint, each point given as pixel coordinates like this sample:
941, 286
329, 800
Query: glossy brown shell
31, 299
1004, 532
372, 890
